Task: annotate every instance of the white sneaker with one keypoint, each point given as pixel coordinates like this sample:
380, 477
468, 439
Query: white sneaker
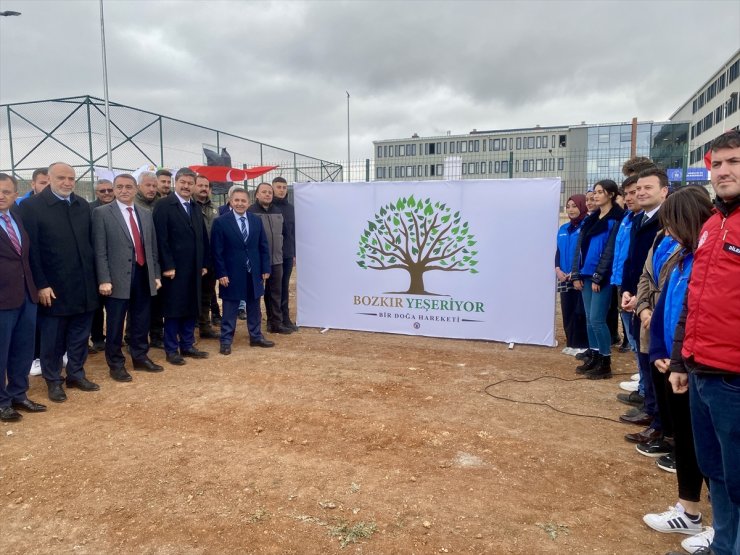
673, 520
35, 368
635, 377
578, 351
64, 360
629, 386
567, 351
703, 539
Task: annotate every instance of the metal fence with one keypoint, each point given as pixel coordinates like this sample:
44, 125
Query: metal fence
35, 134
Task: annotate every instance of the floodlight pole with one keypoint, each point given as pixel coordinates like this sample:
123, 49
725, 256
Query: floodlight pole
349, 163
105, 90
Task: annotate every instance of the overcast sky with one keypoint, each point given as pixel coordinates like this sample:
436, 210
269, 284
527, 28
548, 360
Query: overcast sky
277, 72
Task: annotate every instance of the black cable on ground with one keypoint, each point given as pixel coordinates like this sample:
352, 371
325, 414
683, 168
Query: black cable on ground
548, 405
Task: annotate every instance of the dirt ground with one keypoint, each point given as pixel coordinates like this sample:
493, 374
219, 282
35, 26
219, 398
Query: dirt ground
382, 443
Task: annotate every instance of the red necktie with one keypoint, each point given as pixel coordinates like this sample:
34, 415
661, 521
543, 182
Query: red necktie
11, 234
138, 246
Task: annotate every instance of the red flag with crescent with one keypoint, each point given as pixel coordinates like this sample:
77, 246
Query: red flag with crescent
225, 173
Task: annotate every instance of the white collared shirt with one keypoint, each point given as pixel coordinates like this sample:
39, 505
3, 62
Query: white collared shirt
183, 202
238, 221
124, 211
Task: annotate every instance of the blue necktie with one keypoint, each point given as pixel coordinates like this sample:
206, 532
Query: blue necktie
245, 234
186, 205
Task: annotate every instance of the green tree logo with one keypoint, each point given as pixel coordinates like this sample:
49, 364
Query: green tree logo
417, 236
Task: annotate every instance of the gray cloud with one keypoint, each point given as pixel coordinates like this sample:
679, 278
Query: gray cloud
278, 71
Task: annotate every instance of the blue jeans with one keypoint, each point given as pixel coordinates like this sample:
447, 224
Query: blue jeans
629, 332
596, 306
715, 413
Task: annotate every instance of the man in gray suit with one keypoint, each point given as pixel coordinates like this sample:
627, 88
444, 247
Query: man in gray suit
127, 264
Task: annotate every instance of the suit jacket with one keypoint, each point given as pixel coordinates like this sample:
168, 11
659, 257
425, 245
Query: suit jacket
641, 239
183, 247
61, 252
114, 248
230, 254
15, 270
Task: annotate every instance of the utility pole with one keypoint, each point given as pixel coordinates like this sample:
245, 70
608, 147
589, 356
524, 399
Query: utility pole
349, 162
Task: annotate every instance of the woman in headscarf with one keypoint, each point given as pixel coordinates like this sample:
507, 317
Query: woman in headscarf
571, 301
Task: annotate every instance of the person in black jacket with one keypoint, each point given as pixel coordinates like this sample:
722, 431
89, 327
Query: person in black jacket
280, 201
651, 191
183, 258
63, 265
591, 273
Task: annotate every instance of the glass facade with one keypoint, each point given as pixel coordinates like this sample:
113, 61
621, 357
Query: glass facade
609, 146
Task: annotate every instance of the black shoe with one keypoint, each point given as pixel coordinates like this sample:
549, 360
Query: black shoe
207, 332
632, 398
99, 346
656, 448
602, 371
9, 414
120, 375
589, 363
192, 352
242, 315
216, 321
640, 419
668, 463
291, 326
56, 392
175, 358
147, 365
225, 350
29, 406
83, 384
279, 329
261, 342
585, 355
156, 343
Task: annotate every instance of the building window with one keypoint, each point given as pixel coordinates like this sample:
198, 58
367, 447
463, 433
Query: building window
476, 145
553, 141
530, 142
462, 146
440, 169
525, 166
418, 170
731, 105
379, 172
465, 169
551, 164
402, 169
472, 168
544, 142
397, 170
380, 152
497, 167
561, 164
518, 143
540, 163
483, 167
410, 171
439, 148
496, 144
734, 72
538, 142
561, 141
503, 144
516, 166
531, 165
431, 170
445, 146
505, 166
485, 145
452, 147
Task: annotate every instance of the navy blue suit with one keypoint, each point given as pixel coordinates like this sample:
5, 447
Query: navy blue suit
230, 254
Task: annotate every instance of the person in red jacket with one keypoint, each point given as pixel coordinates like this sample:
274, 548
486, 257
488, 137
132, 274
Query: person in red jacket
705, 360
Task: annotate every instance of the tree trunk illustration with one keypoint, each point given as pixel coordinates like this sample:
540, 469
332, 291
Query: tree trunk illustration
416, 286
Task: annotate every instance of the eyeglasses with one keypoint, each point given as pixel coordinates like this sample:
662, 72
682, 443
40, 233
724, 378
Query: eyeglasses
105, 190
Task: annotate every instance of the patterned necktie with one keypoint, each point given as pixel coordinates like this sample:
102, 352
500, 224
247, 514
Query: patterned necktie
245, 234
138, 245
11, 233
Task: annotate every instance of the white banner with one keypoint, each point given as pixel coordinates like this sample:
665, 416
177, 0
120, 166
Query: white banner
468, 259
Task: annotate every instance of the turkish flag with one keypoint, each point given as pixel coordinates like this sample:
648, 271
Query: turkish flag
226, 173
708, 160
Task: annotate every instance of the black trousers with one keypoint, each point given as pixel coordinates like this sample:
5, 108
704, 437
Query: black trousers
612, 317
156, 323
96, 330
687, 469
60, 334
207, 289
273, 296
662, 388
574, 319
138, 309
285, 290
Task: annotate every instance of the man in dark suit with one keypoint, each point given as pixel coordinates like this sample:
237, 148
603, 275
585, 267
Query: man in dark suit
183, 257
63, 264
241, 258
18, 298
127, 262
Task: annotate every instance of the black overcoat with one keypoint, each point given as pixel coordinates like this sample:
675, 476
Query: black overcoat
183, 247
61, 251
